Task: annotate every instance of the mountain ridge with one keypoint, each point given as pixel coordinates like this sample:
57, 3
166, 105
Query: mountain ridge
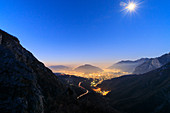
60, 68
128, 65
87, 69
152, 63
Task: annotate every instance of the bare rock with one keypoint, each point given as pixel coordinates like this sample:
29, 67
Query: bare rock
0, 38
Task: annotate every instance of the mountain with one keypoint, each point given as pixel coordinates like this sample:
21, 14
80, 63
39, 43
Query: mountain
27, 86
60, 68
87, 69
145, 93
128, 65
152, 64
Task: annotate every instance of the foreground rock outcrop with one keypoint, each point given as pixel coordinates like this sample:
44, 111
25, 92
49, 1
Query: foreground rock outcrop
27, 86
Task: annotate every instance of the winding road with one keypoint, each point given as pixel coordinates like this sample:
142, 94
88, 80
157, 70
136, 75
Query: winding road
87, 91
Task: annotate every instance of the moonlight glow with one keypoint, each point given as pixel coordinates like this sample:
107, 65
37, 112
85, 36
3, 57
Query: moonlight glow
131, 6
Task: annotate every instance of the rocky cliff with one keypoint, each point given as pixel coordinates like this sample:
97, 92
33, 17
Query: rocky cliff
27, 86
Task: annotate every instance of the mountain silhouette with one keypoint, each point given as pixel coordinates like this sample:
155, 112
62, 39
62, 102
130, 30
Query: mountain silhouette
128, 65
87, 69
60, 68
152, 64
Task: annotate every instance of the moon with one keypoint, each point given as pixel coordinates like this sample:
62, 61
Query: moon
131, 6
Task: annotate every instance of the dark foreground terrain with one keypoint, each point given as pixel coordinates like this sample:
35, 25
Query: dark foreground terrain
27, 86
145, 93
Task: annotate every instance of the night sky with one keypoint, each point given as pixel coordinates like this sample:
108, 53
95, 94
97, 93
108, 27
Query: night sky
88, 31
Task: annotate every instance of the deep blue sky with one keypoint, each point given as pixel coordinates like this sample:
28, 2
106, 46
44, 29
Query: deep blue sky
87, 31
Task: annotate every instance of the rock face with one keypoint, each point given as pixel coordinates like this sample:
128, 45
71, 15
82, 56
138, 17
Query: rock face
128, 65
87, 69
0, 38
145, 93
27, 86
152, 64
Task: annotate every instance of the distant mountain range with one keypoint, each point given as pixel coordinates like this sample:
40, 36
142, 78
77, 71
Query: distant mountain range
152, 64
87, 69
128, 65
142, 65
60, 68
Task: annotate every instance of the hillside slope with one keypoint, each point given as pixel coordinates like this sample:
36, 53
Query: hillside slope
146, 93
